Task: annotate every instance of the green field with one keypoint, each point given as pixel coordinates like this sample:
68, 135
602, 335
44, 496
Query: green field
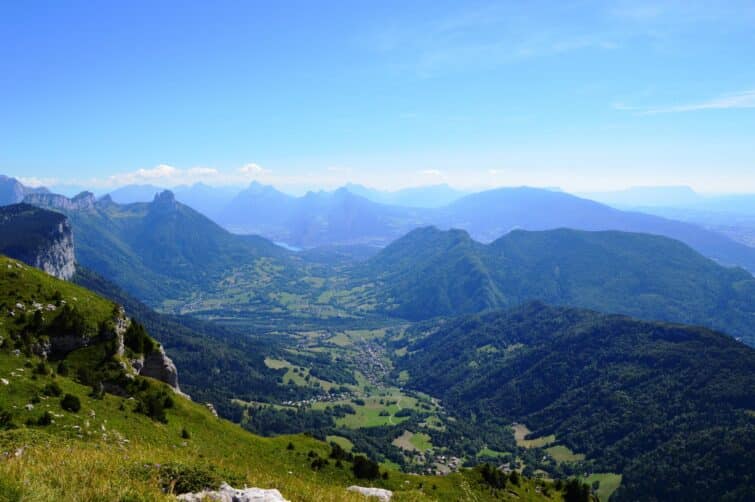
410, 441
341, 339
370, 415
609, 482
520, 433
340, 441
489, 453
562, 453
296, 374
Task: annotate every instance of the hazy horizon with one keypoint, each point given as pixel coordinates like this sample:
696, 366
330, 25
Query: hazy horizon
299, 190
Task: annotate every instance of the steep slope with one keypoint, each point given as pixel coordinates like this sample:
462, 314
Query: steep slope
156, 251
57, 321
669, 406
488, 215
430, 272
39, 238
13, 191
78, 423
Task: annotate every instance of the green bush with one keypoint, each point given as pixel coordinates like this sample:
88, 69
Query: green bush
182, 478
318, 463
364, 468
63, 368
6, 420
52, 389
41, 368
45, 419
338, 453
137, 339
153, 403
493, 477
70, 403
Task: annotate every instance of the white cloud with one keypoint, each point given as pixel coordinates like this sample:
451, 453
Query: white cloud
35, 182
252, 169
735, 101
161, 171
495, 172
431, 172
163, 175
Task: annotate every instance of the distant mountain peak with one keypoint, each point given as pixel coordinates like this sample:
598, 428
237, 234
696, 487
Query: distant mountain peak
164, 196
164, 200
84, 197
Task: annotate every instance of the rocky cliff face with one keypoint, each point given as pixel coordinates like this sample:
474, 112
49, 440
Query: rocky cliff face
57, 259
83, 202
40, 238
159, 366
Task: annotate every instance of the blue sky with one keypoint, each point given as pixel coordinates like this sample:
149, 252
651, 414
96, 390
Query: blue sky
581, 95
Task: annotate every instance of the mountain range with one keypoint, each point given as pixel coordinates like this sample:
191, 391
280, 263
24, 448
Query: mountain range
343, 217
171, 257
157, 250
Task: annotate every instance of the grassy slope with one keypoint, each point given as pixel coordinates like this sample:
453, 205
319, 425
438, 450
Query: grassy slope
107, 451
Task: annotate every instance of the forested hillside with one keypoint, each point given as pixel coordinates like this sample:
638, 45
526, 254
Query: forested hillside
431, 273
660, 403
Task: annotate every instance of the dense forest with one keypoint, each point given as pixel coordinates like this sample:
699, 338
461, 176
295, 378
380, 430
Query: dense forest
660, 403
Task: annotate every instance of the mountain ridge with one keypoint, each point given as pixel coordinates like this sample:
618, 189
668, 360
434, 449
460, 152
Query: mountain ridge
431, 272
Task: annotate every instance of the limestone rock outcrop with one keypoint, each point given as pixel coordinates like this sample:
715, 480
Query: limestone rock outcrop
227, 493
159, 366
380, 494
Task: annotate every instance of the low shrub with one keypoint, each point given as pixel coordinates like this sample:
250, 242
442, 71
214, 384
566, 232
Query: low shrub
70, 403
